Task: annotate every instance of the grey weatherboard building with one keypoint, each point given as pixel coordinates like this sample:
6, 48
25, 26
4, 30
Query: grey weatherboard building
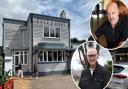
41, 39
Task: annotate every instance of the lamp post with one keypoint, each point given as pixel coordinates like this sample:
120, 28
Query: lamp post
35, 50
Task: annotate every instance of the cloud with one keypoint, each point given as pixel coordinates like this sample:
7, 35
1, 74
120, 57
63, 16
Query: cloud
17, 9
78, 11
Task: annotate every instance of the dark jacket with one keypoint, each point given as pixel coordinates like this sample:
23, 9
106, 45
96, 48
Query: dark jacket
20, 67
114, 35
98, 80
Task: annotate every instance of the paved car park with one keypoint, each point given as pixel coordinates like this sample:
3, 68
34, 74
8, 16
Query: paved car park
22, 83
53, 82
46, 82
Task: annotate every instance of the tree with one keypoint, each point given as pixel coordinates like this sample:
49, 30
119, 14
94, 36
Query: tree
74, 40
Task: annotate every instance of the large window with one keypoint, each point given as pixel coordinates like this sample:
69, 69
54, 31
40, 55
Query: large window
46, 31
51, 32
51, 56
58, 32
20, 56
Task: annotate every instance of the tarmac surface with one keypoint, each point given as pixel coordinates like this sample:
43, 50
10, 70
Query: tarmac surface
22, 83
46, 82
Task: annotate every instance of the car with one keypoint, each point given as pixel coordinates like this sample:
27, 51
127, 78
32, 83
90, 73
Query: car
119, 79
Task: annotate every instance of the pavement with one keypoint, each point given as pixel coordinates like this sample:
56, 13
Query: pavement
46, 82
22, 83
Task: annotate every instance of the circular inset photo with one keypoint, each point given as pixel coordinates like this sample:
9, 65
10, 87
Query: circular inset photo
109, 23
91, 66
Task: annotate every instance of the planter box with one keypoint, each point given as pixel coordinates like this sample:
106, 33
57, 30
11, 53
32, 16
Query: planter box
8, 84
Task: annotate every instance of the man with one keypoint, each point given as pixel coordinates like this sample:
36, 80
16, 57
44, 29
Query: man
115, 29
95, 76
20, 72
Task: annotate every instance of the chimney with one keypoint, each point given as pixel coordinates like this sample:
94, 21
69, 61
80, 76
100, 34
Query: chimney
63, 14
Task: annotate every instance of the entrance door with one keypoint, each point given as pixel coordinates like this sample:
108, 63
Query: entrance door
16, 61
19, 57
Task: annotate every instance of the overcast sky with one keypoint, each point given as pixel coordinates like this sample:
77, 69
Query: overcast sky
78, 11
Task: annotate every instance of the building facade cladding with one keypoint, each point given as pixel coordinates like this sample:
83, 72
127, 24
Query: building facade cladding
15, 41
51, 30
21, 37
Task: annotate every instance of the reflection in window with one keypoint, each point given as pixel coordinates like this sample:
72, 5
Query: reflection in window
51, 56
20, 57
58, 32
55, 54
59, 55
45, 55
46, 32
16, 60
25, 59
51, 32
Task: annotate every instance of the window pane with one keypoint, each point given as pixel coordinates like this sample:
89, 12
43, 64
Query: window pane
41, 58
25, 59
59, 56
46, 31
25, 52
45, 55
21, 52
52, 33
55, 56
21, 59
49, 56
58, 32
63, 56
41, 52
16, 52
16, 60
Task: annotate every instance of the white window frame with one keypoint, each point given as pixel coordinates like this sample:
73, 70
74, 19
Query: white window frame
62, 56
50, 32
19, 55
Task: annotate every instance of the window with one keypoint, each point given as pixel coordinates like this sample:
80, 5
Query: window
46, 31
58, 32
20, 56
51, 32
51, 56
55, 54
16, 60
41, 56
59, 56
45, 55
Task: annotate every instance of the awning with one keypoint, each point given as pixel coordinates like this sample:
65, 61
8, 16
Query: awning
51, 46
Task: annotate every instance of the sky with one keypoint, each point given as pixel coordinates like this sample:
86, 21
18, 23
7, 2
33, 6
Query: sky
78, 11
